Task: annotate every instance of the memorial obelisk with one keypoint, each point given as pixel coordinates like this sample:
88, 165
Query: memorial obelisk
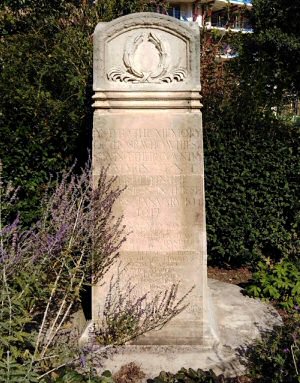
148, 129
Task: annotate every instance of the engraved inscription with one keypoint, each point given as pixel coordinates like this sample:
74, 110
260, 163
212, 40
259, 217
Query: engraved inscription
150, 149
156, 269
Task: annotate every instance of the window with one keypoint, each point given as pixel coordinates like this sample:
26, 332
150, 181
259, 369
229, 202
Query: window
174, 11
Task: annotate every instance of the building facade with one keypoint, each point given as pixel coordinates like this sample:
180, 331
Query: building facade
216, 14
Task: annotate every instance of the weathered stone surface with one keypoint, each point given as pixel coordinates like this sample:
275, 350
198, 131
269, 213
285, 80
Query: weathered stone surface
146, 51
240, 321
147, 127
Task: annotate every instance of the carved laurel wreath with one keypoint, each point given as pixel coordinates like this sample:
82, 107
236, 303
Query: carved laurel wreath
131, 74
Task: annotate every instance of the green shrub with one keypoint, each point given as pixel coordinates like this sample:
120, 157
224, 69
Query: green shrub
276, 358
252, 191
187, 376
71, 376
277, 281
12, 371
251, 156
46, 67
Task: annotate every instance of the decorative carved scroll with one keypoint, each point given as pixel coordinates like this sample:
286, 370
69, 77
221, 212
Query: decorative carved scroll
137, 73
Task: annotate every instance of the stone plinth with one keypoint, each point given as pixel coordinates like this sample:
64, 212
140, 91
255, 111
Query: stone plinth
148, 129
240, 319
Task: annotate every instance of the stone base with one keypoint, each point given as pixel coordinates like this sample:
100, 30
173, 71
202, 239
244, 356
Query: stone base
239, 319
153, 359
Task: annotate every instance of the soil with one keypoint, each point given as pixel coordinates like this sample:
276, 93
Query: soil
241, 276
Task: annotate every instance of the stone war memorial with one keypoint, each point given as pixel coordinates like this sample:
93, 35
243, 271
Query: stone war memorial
148, 130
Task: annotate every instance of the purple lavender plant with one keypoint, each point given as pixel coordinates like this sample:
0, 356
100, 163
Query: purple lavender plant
127, 316
44, 268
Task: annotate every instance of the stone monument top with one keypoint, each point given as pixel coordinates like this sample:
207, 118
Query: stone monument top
146, 51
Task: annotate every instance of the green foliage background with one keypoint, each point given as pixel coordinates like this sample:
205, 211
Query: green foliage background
251, 158
252, 192
46, 61
252, 166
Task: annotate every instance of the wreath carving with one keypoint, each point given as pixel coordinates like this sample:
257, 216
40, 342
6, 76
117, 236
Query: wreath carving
136, 75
